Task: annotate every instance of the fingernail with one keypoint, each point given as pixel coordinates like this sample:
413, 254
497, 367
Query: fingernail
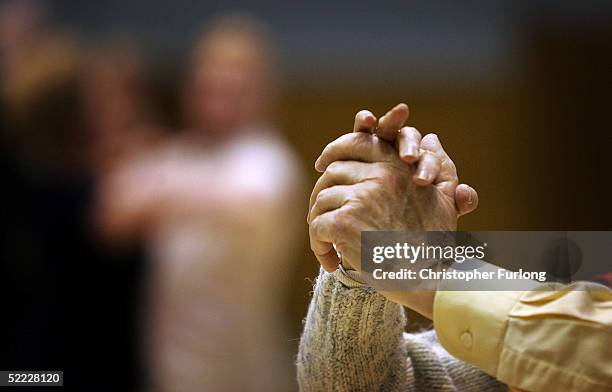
470, 200
316, 165
411, 151
423, 175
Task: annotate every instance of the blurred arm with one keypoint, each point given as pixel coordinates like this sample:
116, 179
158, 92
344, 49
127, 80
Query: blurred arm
246, 186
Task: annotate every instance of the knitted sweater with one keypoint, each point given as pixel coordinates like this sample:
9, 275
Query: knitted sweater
354, 340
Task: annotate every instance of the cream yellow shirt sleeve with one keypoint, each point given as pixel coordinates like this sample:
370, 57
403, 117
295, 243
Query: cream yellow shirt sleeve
535, 340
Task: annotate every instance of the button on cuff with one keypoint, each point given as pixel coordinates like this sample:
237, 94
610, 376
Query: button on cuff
467, 340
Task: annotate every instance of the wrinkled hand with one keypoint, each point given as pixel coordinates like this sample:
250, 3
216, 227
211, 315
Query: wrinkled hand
367, 185
408, 142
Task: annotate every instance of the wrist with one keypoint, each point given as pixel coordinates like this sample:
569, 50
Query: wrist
421, 302
421, 296
347, 275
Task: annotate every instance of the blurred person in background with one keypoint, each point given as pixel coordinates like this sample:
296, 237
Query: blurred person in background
21, 30
117, 103
215, 206
70, 300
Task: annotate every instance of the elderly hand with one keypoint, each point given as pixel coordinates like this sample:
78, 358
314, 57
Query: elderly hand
367, 186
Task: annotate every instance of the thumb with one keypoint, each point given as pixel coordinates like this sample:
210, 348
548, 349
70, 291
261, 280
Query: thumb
466, 199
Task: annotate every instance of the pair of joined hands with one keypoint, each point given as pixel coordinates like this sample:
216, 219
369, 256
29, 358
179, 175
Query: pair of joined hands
382, 176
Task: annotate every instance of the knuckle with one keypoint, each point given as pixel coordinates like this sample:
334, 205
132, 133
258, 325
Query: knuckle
451, 165
342, 223
334, 166
379, 169
437, 161
448, 165
313, 245
315, 228
317, 247
321, 196
383, 185
432, 158
430, 140
411, 133
339, 145
358, 194
387, 175
314, 212
347, 139
359, 210
334, 169
361, 137
362, 113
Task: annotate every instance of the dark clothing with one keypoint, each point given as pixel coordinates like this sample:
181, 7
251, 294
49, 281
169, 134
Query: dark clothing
67, 304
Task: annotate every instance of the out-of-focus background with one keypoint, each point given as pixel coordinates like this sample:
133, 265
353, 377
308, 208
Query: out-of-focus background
157, 157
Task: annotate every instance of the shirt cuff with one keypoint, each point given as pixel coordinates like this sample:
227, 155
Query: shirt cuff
471, 325
348, 278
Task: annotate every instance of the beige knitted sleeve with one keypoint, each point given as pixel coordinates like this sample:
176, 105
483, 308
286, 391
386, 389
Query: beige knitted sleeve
354, 340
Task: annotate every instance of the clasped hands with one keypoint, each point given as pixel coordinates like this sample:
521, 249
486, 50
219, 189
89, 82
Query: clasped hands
382, 176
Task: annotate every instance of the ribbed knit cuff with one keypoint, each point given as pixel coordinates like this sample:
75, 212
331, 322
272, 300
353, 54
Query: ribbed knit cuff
349, 278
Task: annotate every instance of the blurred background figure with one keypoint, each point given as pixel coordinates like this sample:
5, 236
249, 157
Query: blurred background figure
216, 207
21, 30
71, 297
119, 102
